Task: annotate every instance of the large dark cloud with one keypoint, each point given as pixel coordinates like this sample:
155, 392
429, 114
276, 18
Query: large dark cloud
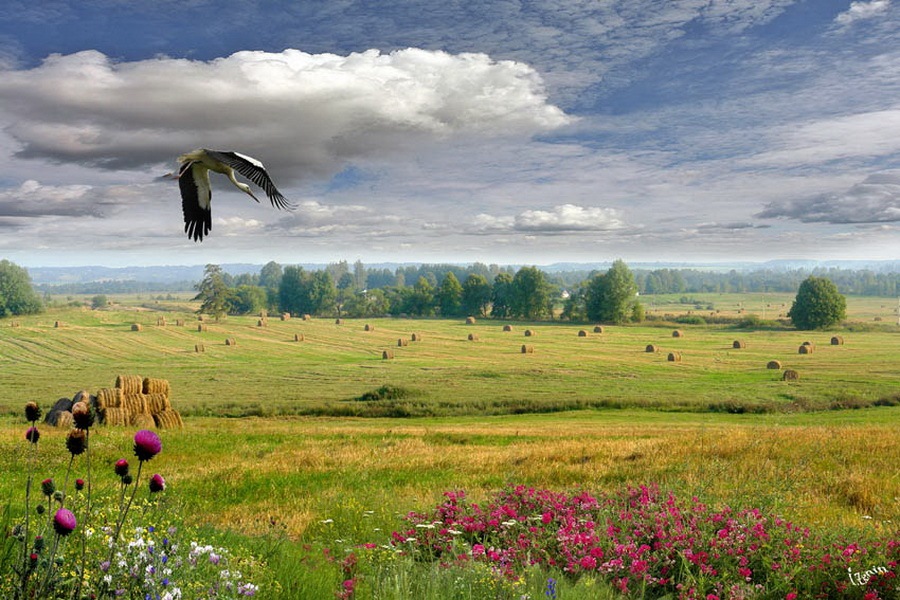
874, 200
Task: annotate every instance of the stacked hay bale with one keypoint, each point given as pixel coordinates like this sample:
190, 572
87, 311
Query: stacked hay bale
140, 402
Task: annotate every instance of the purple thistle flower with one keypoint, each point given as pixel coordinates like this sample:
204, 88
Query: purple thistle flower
79, 484
121, 467
64, 522
33, 435
76, 442
47, 487
157, 483
146, 444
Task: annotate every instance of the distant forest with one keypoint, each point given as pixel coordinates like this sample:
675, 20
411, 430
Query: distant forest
862, 282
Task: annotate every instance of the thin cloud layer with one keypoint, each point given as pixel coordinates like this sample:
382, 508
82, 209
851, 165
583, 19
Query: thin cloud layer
862, 10
874, 200
302, 113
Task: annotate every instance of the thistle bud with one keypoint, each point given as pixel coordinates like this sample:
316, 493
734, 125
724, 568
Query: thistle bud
33, 435
121, 467
38, 543
32, 412
157, 483
127, 479
82, 415
39, 509
47, 487
79, 484
76, 442
58, 495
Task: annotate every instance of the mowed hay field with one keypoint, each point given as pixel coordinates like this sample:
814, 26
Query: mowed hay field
266, 372
799, 456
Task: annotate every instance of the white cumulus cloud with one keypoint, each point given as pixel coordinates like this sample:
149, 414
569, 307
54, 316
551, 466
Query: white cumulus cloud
862, 10
298, 112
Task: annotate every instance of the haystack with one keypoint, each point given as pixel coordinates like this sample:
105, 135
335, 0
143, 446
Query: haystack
369, 327
470, 320
155, 386
387, 354
298, 337
416, 337
790, 375
739, 344
582, 333
62, 405
156, 403
161, 321
199, 348
307, 318
262, 323
651, 348
201, 327
230, 342
130, 384
137, 327
402, 342
263, 314
774, 364
338, 321
674, 357
507, 328
108, 398
806, 349
142, 421
286, 316
115, 417
168, 419
530, 333
837, 340
473, 337
527, 349
137, 402
61, 419
57, 324
678, 333
179, 322
598, 329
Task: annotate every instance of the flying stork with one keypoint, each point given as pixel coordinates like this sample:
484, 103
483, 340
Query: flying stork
196, 193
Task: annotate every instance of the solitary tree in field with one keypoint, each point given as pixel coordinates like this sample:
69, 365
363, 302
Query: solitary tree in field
214, 294
818, 304
610, 297
17, 297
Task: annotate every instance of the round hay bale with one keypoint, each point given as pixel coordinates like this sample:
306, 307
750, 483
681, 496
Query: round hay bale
473, 337
130, 384
774, 364
582, 333
877, 319
470, 320
230, 342
199, 348
109, 398
298, 337
805, 349
137, 327
286, 316
678, 333
739, 344
527, 349
161, 321
201, 327
790, 375
507, 328
115, 417
338, 321
142, 421
369, 327
651, 348
674, 357
135, 403
61, 405
168, 419
64, 420
262, 323
14, 324
200, 317
530, 333
808, 343
57, 324
387, 355
156, 386
837, 340
598, 329
156, 403
402, 342
263, 314
179, 322
307, 317
84, 396
416, 337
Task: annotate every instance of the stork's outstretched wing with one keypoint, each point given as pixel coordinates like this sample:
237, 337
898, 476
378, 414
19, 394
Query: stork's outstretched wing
196, 193
253, 170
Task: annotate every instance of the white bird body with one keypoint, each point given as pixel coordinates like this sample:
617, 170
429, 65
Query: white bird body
196, 192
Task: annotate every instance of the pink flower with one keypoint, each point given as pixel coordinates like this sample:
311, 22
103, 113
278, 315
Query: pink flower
588, 563
121, 467
791, 596
64, 522
157, 483
477, 550
146, 445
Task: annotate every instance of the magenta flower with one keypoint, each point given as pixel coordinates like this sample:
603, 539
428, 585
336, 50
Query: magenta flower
146, 444
121, 467
33, 435
64, 522
79, 484
157, 483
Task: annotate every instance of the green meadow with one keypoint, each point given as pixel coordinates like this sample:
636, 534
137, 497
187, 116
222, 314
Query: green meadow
309, 463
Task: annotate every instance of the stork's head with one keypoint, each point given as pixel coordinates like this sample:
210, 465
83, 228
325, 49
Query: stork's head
246, 189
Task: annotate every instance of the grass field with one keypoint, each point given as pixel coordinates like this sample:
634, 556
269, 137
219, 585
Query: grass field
302, 458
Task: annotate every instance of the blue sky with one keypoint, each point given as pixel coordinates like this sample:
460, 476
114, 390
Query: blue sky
503, 131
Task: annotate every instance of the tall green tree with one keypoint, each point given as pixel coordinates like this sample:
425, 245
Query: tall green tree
818, 304
213, 293
291, 291
531, 294
449, 296
610, 297
248, 299
421, 301
17, 296
502, 296
476, 295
